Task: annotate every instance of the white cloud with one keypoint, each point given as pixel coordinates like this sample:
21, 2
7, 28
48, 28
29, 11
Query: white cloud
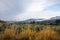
28, 9
46, 14
36, 10
6, 6
49, 14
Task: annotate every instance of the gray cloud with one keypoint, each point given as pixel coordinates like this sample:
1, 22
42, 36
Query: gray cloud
35, 9
10, 8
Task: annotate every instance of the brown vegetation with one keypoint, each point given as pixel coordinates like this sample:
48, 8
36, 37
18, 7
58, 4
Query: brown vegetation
28, 32
47, 34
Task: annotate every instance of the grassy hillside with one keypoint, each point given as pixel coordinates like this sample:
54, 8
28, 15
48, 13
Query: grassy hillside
30, 31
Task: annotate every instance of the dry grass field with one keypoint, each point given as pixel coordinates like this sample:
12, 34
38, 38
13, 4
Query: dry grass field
29, 32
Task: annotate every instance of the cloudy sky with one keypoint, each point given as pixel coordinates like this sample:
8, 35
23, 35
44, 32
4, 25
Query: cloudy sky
26, 9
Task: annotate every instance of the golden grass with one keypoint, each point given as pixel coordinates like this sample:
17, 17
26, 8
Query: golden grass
28, 34
47, 34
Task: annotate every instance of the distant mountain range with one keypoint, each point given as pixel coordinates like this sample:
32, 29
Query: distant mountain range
51, 20
42, 19
57, 17
2, 21
36, 20
29, 20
